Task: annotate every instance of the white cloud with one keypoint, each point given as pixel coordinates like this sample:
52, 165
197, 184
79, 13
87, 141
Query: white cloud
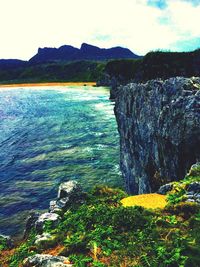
185, 18
27, 25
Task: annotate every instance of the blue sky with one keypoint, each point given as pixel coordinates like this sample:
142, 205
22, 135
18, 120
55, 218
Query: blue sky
140, 25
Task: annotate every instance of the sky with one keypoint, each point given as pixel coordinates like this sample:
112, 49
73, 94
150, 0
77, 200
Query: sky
140, 25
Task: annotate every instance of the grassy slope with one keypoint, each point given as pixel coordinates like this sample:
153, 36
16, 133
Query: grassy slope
101, 232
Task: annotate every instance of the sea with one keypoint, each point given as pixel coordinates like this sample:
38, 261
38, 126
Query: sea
50, 135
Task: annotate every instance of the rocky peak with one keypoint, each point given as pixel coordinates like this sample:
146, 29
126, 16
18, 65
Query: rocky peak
89, 48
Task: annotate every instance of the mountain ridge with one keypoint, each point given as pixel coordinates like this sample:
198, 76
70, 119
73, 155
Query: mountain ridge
86, 52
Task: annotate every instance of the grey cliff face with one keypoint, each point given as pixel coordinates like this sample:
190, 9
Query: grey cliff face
159, 127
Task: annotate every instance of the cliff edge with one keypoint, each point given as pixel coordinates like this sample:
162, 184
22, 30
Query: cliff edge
159, 127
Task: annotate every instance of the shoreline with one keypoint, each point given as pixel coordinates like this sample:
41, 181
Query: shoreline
48, 84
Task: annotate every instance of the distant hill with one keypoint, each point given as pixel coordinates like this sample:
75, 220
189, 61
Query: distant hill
12, 63
86, 52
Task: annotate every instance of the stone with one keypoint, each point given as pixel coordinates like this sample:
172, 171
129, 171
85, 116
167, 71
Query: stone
7, 241
194, 187
159, 127
164, 189
194, 170
68, 188
54, 207
53, 217
46, 260
68, 193
42, 238
190, 200
189, 195
30, 223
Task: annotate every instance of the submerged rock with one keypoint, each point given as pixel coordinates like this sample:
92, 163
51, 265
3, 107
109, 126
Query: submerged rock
159, 127
46, 260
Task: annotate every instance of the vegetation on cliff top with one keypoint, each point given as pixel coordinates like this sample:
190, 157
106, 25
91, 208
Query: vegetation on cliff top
158, 64
101, 232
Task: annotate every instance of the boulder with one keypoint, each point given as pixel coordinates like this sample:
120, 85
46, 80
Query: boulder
69, 189
194, 187
69, 193
164, 189
46, 260
30, 223
54, 218
44, 237
159, 127
6, 241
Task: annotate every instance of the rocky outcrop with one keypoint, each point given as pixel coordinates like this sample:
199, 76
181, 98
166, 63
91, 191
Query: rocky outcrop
191, 191
30, 223
6, 241
54, 218
45, 260
159, 127
188, 188
69, 193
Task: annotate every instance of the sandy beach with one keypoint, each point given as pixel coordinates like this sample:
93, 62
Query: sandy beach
49, 84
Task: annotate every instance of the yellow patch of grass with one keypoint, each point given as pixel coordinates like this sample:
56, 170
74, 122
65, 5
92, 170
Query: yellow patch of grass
150, 201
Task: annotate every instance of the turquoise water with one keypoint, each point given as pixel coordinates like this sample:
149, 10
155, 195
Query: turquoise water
48, 136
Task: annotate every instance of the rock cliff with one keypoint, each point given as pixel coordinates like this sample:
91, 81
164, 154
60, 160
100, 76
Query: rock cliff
159, 127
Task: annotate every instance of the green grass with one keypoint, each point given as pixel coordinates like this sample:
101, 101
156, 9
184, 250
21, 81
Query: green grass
101, 232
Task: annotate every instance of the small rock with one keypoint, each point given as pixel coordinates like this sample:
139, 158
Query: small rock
68, 193
68, 188
54, 207
46, 260
43, 237
164, 189
30, 223
53, 217
195, 187
189, 195
190, 200
194, 170
7, 241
